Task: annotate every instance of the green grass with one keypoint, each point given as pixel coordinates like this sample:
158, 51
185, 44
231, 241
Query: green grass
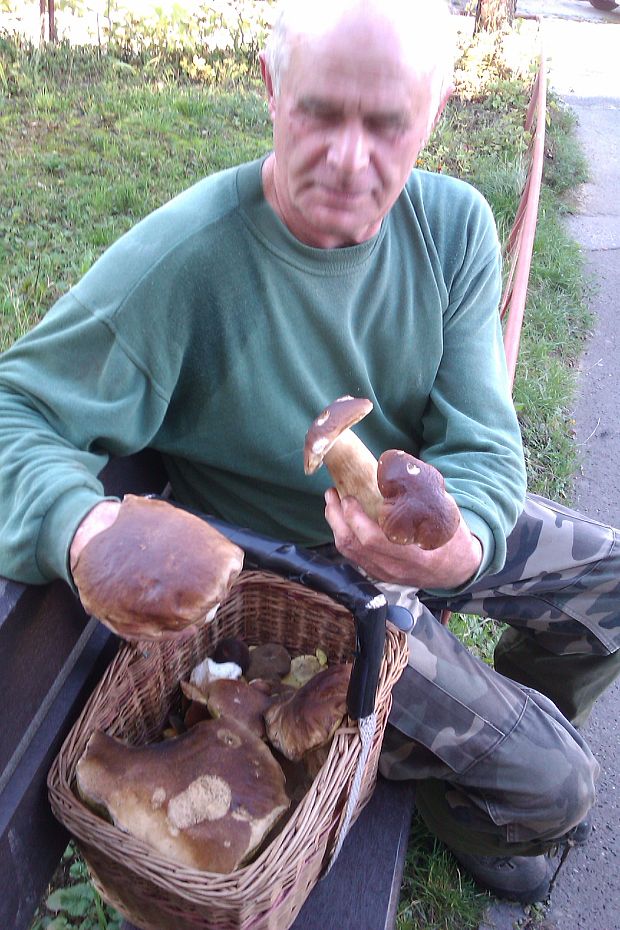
89, 145
84, 160
436, 894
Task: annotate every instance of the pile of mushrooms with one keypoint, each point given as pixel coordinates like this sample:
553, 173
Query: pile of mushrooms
405, 496
254, 728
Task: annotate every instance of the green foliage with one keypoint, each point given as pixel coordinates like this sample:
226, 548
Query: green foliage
212, 42
75, 904
565, 163
90, 147
436, 893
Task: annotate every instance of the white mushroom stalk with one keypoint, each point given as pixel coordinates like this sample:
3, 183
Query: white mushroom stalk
331, 441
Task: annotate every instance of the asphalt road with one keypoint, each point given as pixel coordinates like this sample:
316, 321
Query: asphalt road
583, 48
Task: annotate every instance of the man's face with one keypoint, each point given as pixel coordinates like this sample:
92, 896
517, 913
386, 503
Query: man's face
349, 122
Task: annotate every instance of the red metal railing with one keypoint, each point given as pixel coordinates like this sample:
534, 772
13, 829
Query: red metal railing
519, 245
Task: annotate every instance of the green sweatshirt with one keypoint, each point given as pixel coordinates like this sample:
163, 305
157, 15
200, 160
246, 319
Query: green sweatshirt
209, 333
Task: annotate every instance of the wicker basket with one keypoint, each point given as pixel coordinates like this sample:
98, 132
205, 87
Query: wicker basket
133, 701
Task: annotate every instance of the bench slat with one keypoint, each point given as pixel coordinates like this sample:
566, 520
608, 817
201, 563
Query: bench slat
31, 839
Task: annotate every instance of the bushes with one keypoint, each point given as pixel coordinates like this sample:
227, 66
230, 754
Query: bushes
214, 42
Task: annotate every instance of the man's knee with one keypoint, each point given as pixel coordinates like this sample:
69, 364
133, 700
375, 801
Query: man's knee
545, 778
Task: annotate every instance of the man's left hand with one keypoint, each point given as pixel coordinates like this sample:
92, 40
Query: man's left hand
363, 542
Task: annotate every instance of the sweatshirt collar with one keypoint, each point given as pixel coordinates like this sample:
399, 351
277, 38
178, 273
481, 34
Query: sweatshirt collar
266, 225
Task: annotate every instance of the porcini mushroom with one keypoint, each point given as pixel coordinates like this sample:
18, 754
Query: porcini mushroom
233, 649
310, 717
331, 441
269, 660
416, 506
205, 799
240, 700
156, 570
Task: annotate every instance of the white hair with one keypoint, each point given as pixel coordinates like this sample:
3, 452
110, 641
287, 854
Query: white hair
425, 28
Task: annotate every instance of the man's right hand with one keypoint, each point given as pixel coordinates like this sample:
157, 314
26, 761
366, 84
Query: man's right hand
96, 520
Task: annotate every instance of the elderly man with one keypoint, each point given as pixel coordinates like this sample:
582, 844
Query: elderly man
220, 326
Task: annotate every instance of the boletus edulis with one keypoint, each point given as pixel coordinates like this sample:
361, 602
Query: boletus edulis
311, 715
205, 799
405, 496
156, 570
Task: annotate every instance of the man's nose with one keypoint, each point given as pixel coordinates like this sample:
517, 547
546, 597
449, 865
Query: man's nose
348, 147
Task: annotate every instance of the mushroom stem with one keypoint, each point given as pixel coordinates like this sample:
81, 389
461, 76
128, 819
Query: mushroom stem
354, 470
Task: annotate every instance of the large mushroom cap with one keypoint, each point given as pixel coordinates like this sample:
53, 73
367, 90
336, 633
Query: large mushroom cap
205, 799
156, 570
416, 508
325, 430
311, 716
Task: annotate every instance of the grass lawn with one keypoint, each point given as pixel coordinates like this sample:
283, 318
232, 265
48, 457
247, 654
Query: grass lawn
88, 146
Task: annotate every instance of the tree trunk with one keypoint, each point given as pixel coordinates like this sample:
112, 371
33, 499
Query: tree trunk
47, 12
42, 10
52, 20
492, 15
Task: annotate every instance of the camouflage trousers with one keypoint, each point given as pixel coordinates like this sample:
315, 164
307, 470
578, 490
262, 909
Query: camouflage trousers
500, 768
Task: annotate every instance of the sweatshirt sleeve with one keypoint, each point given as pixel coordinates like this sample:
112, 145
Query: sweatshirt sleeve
470, 429
70, 395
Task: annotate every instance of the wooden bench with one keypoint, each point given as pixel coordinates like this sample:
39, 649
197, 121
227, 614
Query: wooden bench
52, 653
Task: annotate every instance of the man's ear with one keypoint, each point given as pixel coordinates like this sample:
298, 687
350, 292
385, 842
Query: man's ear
268, 82
446, 93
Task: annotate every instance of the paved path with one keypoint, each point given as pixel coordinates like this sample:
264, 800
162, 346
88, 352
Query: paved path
583, 57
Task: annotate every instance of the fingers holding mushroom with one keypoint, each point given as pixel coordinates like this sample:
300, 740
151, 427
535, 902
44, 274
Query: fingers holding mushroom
405, 496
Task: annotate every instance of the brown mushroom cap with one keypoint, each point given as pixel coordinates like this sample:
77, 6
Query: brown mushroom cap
310, 717
238, 699
270, 660
328, 426
205, 799
416, 508
233, 649
156, 570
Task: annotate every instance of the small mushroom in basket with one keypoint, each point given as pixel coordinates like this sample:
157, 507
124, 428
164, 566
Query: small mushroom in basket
205, 799
310, 717
268, 661
240, 700
233, 649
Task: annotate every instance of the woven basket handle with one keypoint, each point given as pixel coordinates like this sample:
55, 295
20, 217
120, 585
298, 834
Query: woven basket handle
340, 581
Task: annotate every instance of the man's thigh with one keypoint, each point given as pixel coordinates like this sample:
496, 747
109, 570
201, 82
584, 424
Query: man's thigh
561, 582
